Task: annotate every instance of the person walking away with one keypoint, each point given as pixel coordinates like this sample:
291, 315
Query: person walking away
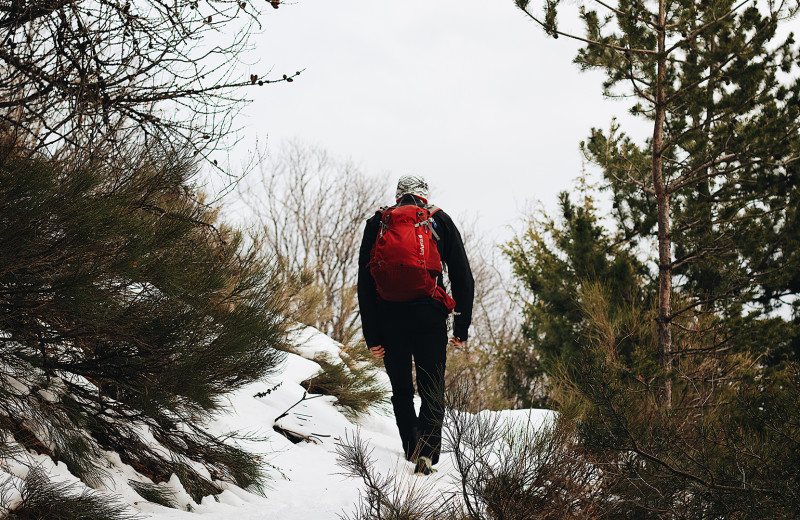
404, 308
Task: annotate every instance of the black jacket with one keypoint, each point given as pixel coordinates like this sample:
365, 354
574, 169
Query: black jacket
453, 255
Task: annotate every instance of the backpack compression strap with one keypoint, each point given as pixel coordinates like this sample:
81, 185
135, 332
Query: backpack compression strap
429, 221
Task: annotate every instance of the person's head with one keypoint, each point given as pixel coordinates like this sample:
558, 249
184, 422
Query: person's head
412, 185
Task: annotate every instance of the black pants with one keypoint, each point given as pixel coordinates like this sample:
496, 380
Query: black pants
416, 331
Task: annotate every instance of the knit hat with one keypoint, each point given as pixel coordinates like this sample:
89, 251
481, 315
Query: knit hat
412, 184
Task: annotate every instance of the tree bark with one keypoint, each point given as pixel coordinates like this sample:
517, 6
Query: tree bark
662, 203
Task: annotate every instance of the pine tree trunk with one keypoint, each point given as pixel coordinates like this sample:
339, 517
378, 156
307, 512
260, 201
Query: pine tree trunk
662, 203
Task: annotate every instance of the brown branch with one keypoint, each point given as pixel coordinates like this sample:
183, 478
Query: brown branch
22, 12
182, 93
634, 448
687, 178
162, 211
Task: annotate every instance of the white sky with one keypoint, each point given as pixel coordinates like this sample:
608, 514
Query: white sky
470, 94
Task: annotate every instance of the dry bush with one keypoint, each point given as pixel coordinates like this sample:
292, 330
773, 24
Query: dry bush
725, 448
496, 328
508, 471
388, 496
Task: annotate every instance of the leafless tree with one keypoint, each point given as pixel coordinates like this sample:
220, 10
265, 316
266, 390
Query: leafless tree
311, 208
94, 74
496, 325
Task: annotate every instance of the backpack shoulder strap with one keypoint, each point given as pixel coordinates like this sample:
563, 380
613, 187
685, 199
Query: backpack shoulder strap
382, 226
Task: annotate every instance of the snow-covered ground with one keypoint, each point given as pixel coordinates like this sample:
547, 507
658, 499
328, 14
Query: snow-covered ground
307, 483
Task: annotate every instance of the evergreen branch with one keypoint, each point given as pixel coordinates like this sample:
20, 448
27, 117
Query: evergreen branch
199, 222
614, 245
699, 480
790, 132
711, 299
715, 348
632, 180
705, 26
694, 330
788, 161
741, 218
711, 120
42, 497
688, 177
594, 43
634, 448
697, 255
639, 92
621, 13
715, 72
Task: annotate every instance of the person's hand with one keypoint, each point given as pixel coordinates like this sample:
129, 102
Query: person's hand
377, 351
456, 342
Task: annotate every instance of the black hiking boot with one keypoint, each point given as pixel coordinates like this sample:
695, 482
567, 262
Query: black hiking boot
424, 466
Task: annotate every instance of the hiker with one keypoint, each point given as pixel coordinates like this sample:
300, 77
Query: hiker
404, 309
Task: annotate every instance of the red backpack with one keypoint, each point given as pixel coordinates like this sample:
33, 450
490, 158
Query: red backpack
405, 262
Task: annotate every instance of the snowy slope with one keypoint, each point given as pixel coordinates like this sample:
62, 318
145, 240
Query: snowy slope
306, 481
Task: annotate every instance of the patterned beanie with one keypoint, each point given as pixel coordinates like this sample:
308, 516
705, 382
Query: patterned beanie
413, 184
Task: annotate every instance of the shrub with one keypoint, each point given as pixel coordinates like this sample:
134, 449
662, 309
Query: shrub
354, 384
125, 308
39, 497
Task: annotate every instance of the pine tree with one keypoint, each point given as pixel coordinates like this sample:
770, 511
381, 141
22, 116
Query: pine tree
125, 308
553, 260
716, 181
726, 446
678, 408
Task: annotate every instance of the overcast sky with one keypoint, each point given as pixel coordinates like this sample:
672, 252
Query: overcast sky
469, 94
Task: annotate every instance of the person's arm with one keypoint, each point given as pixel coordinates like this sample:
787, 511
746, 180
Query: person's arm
462, 284
367, 293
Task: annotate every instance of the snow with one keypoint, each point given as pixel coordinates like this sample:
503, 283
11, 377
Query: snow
310, 342
306, 482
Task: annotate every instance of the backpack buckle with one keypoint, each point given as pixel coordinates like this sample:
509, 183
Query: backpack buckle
428, 224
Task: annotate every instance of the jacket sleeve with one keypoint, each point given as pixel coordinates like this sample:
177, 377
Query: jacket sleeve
462, 284
367, 293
